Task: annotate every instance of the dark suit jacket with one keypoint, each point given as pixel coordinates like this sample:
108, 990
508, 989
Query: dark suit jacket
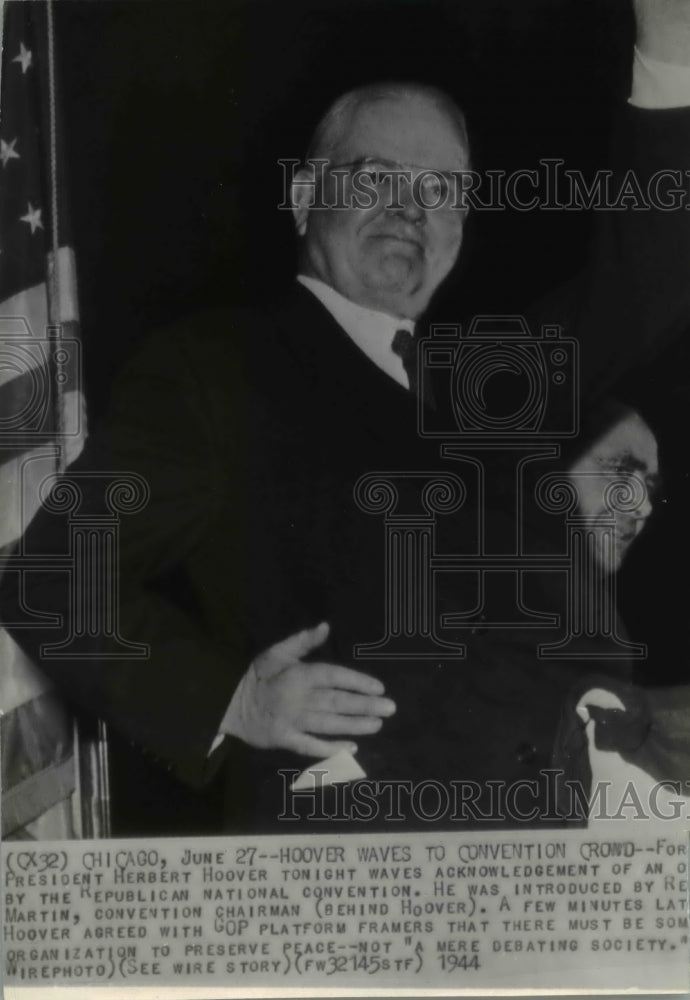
251, 431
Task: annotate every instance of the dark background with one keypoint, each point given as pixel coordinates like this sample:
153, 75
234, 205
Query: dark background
176, 114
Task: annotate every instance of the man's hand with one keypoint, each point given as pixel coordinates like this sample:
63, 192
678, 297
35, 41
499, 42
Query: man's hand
663, 30
284, 703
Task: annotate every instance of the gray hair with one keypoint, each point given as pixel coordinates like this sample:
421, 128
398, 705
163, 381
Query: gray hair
331, 127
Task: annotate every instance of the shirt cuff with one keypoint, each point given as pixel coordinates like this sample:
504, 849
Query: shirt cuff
232, 720
218, 741
657, 85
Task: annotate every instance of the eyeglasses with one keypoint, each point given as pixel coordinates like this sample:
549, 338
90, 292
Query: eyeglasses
431, 188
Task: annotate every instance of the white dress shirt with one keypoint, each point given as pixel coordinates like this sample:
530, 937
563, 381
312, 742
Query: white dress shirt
371, 331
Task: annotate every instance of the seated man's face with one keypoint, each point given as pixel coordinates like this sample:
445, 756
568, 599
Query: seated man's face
626, 451
392, 255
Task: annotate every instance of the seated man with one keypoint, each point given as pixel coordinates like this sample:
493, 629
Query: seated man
615, 477
612, 732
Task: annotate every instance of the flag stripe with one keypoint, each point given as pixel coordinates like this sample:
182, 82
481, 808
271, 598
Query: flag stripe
22, 681
41, 404
33, 736
29, 401
36, 795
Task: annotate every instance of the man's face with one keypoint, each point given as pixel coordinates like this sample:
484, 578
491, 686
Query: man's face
627, 451
392, 255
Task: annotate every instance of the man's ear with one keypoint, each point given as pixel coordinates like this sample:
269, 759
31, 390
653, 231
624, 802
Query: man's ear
302, 197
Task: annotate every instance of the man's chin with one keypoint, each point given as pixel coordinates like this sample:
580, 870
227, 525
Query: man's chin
397, 274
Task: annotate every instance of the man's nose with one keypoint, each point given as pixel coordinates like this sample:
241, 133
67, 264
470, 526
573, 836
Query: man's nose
408, 203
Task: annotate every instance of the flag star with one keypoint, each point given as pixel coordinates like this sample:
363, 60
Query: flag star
33, 217
8, 152
24, 58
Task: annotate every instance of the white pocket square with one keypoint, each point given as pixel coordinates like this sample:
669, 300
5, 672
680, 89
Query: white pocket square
342, 766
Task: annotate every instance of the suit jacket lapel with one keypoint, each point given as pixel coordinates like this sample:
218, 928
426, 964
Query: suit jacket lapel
340, 373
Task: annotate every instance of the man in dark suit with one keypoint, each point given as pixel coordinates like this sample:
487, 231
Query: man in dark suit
251, 573
251, 483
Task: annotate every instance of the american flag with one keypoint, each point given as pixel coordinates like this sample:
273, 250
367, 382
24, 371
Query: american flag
41, 405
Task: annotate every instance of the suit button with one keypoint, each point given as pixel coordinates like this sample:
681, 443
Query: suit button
525, 753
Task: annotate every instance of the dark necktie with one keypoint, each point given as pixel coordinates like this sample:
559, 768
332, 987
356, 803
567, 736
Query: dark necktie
405, 346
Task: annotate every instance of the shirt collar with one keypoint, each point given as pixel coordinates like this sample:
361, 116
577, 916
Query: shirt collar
370, 330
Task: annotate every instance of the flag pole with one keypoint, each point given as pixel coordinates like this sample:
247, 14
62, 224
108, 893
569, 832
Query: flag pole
2, 38
2, 50
91, 750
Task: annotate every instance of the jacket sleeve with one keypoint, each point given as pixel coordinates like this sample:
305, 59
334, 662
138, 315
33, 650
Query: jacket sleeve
170, 701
